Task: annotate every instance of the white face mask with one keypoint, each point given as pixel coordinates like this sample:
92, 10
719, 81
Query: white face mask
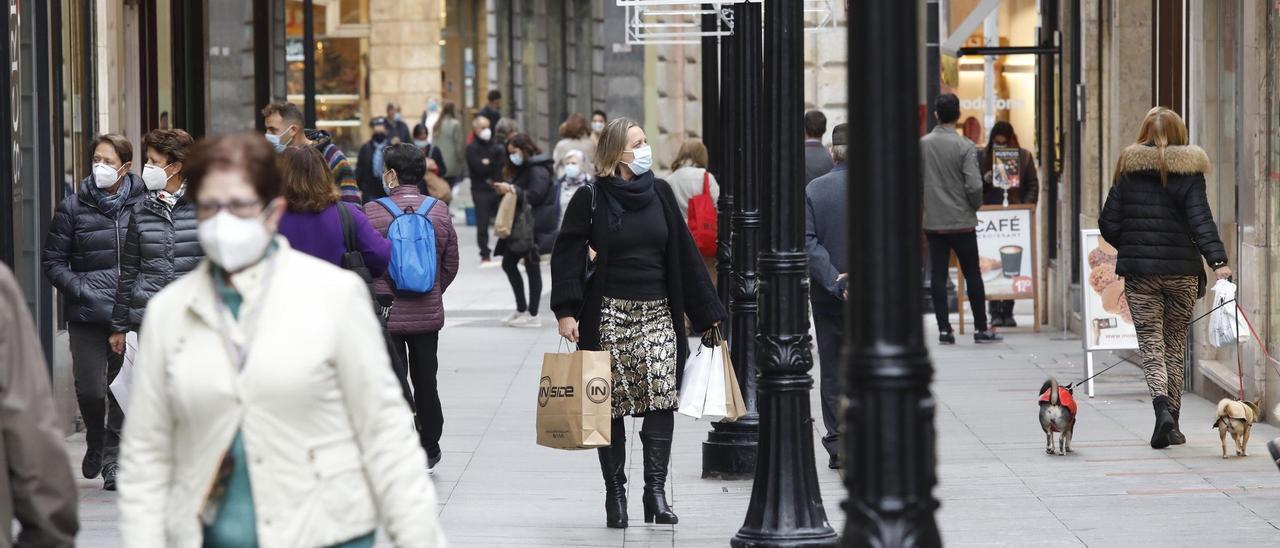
597, 126
154, 177
572, 171
486, 134
232, 242
421, 143
643, 160
104, 176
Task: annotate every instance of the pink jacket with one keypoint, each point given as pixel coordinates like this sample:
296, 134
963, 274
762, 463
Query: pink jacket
413, 313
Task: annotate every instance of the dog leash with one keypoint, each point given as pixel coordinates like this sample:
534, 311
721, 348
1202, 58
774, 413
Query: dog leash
1189, 326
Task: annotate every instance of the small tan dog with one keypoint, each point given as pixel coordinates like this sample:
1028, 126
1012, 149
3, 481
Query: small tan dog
1238, 418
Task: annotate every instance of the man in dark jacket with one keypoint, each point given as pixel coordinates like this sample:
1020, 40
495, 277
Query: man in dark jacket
161, 244
37, 489
484, 163
370, 165
81, 260
817, 162
417, 318
825, 241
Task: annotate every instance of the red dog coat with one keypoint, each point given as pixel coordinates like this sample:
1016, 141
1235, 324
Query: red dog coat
1064, 397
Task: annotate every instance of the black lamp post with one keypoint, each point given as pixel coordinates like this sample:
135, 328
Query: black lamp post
889, 419
786, 503
731, 447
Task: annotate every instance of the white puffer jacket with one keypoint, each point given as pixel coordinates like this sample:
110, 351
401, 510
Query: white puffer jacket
326, 431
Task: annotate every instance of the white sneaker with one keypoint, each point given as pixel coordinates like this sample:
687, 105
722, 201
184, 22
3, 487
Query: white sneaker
527, 321
490, 264
513, 317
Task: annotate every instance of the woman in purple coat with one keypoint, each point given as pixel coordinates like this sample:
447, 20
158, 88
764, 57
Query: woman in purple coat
313, 224
417, 318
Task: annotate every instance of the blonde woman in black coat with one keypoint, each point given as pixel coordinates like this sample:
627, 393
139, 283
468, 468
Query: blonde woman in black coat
647, 278
1157, 217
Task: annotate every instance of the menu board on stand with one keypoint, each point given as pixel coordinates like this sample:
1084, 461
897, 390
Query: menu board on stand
1006, 257
1108, 323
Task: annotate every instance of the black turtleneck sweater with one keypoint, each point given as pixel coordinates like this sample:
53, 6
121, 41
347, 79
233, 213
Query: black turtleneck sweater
638, 255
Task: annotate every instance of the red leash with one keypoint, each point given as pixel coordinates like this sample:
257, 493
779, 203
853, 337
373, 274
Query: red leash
1262, 345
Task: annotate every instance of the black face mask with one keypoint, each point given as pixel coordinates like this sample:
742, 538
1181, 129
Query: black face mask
379, 137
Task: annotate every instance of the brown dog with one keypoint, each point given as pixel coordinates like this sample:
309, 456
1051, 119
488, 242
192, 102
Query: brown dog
1238, 418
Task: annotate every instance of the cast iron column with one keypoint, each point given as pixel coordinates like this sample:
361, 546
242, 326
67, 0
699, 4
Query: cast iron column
786, 503
889, 440
716, 136
730, 449
308, 64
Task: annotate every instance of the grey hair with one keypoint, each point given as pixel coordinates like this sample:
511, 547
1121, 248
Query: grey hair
839, 153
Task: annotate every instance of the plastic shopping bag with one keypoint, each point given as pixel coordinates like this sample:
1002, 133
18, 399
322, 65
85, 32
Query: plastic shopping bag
1225, 325
698, 370
120, 385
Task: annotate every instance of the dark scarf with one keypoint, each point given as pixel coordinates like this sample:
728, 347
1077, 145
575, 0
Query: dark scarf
622, 196
110, 204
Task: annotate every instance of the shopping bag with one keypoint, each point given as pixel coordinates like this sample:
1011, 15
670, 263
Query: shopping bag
735, 406
124, 378
575, 400
697, 377
506, 217
438, 188
1225, 325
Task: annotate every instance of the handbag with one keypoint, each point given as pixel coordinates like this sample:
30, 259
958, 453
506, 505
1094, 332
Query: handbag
352, 259
521, 239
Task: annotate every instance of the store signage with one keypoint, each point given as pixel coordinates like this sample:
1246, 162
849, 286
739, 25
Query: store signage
1000, 104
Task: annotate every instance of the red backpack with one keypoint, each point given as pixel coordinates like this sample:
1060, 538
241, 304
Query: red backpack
702, 219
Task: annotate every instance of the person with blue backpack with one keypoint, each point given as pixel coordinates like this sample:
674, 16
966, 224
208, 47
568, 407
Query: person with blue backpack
424, 261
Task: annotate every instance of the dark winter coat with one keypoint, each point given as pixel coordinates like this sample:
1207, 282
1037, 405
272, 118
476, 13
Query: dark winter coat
689, 289
82, 253
1161, 229
370, 182
415, 313
535, 185
160, 246
484, 164
1028, 191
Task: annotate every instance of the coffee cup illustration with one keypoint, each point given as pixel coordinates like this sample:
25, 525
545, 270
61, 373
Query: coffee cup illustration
1011, 260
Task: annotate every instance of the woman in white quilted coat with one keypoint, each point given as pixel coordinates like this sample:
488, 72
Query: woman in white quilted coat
264, 411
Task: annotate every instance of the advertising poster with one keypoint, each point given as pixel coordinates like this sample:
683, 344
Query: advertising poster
1107, 321
1004, 167
1005, 252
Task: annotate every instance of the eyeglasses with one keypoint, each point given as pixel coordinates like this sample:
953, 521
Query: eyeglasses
240, 208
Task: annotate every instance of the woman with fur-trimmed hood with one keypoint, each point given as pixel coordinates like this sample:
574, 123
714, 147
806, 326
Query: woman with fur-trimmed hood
1157, 215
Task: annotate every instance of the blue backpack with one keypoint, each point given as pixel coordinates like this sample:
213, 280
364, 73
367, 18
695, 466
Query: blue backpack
413, 246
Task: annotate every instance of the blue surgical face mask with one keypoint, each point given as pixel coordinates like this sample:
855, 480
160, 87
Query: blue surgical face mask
516, 159
277, 143
421, 143
572, 171
643, 160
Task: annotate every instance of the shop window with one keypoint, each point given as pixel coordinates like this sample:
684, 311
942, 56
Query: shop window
341, 43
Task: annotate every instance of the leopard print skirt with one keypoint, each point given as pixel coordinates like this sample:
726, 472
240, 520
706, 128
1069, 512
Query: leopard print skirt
641, 342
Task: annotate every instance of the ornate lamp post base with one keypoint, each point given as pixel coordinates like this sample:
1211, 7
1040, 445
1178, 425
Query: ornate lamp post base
730, 450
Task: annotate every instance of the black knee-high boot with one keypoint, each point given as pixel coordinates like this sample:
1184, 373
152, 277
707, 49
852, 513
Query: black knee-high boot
657, 457
613, 466
1164, 422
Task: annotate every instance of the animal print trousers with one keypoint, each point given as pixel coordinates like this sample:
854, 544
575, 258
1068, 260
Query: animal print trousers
1162, 308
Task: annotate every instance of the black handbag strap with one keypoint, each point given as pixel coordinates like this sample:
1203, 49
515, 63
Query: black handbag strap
348, 228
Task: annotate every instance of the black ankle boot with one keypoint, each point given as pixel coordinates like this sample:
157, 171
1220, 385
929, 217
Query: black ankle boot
657, 456
1164, 423
1175, 435
613, 463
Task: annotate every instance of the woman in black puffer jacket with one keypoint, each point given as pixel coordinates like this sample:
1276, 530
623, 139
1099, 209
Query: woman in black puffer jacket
82, 260
1157, 216
161, 243
532, 180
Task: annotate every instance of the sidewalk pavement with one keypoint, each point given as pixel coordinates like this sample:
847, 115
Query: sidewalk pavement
997, 487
